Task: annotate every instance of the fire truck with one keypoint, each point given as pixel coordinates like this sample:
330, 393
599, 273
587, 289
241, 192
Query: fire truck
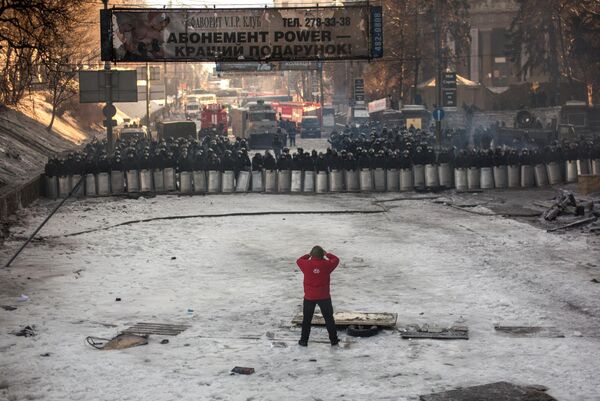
213, 116
294, 111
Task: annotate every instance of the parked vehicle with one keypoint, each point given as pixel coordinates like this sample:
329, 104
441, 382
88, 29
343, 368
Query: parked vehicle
310, 127
176, 129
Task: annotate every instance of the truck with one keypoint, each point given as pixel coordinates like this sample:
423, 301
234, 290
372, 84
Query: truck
192, 110
129, 132
176, 129
258, 123
213, 116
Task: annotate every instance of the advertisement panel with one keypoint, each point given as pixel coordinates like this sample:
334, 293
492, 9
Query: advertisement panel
275, 66
247, 34
377, 105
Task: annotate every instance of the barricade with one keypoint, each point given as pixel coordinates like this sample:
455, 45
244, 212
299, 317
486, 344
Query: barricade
366, 180
571, 169
199, 180
419, 176
64, 186
309, 182
527, 176
487, 178
406, 179
133, 181
541, 176
214, 182
270, 181
432, 179
117, 182
296, 185
392, 180
228, 182
514, 176
473, 178
170, 179
158, 176
283, 181
243, 182
584, 167
554, 173
379, 180
460, 179
321, 184
445, 175
336, 181
596, 167
257, 181
185, 182
80, 192
352, 180
501, 177
90, 185
51, 187
103, 184
146, 181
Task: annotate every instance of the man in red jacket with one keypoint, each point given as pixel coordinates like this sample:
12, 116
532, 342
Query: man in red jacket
317, 266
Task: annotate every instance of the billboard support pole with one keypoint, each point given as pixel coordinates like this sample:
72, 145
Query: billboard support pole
438, 80
148, 97
322, 98
108, 92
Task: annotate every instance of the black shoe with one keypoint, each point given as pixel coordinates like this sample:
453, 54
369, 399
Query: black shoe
303, 343
335, 342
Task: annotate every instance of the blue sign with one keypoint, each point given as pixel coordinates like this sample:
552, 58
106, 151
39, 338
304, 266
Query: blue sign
376, 32
438, 114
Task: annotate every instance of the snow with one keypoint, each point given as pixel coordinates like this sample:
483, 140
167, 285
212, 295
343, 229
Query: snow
423, 260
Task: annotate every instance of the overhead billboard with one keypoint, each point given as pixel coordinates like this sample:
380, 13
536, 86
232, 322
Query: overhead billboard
265, 67
240, 35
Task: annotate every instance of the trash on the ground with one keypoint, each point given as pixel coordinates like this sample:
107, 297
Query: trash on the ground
242, 371
563, 203
46, 354
160, 329
574, 224
121, 341
529, 331
270, 335
347, 318
165, 341
435, 332
278, 344
359, 330
117, 299
27, 331
173, 257
312, 360
8, 307
500, 391
23, 298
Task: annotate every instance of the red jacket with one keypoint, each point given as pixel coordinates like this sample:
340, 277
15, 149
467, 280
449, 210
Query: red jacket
316, 275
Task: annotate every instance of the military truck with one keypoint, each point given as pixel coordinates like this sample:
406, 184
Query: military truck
176, 129
257, 122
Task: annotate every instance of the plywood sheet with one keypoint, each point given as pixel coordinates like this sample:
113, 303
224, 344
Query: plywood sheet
383, 319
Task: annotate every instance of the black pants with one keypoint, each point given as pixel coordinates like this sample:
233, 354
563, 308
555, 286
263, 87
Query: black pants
327, 312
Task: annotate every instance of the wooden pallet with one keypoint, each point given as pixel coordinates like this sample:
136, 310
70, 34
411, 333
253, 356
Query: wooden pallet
161, 329
348, 318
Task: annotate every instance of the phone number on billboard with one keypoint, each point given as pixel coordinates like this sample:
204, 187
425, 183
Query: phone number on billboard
318, 22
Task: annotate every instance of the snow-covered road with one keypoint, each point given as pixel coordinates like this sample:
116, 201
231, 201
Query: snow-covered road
426, 262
